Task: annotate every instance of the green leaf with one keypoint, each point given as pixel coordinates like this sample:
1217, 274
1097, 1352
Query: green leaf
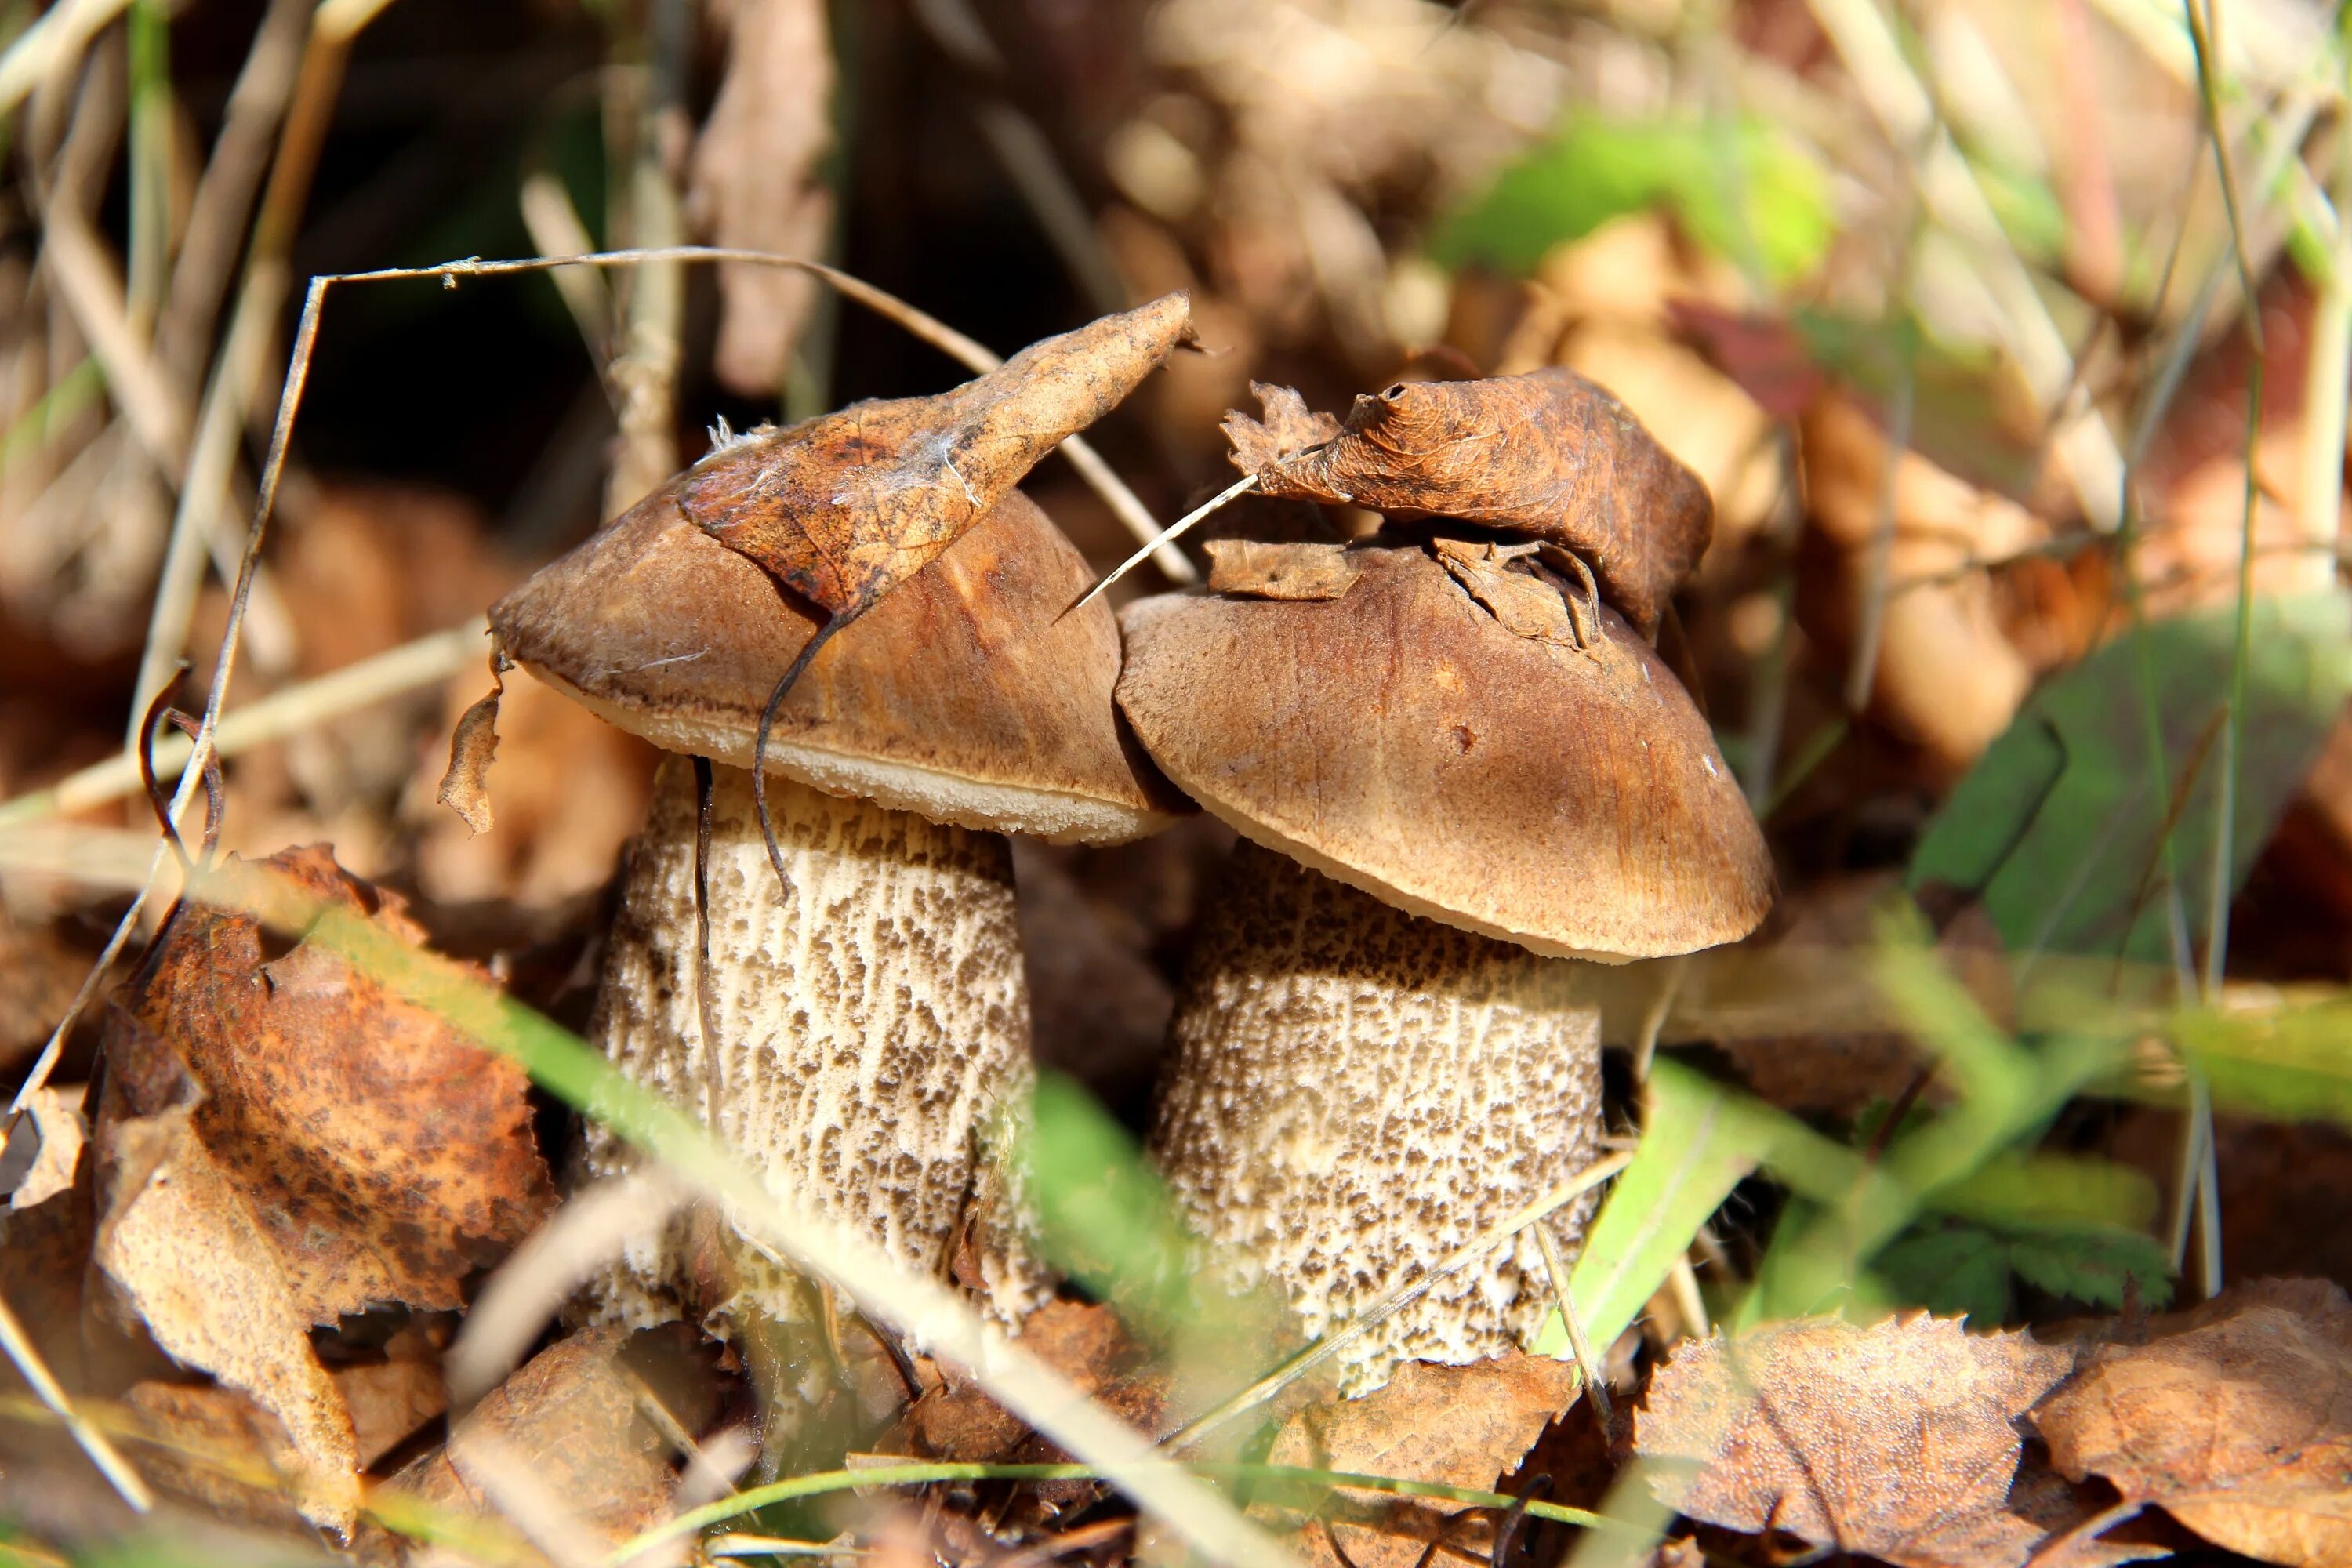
2060, 826
1738, 187
1959, 1269
1697, 1141
2291, 1063
2092, 1264
1103, 1216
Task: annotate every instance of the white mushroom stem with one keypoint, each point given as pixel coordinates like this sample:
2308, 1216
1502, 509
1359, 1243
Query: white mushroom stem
1356, 1092
869, 1031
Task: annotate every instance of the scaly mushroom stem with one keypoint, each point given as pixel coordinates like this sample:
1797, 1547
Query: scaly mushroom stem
872, 1027
1356, 1092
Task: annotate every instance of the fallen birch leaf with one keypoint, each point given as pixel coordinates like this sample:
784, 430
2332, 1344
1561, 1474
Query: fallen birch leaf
1547, 454
1280, 571
177, 1239
386, 1155
1459, 1426
2239, 1426
844, 507
1898, 1440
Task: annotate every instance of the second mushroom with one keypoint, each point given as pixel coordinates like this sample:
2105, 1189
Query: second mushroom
1455, 765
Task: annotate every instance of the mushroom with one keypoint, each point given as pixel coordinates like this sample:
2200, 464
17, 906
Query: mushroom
1451, 769
863, 1031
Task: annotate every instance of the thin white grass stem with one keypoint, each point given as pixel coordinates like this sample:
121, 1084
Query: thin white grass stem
1587, 1364
1166, 538
59, 34
423, 662
110, 1461
1306, 1360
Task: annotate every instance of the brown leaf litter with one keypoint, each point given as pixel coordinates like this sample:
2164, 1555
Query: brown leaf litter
385, 1154
1547, 454
577, 1447
1458, 1425
2239, 1425
1900, 1440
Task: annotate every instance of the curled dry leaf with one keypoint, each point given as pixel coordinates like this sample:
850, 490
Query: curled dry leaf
1460, 1425
2239, 1426
1526, 606
1898, 1440
1281, 571
473, 747
182, 1244
386, 1155
844, 507
1547, 454
578, 1424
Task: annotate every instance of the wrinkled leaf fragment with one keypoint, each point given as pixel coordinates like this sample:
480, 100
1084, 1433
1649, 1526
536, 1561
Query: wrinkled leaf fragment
1548, 455
1295, 572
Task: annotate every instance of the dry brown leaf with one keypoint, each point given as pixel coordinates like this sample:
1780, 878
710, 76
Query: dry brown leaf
53, 1120
179, 1242
1281, 571
1526, 606
218, 1448
473, 747
756, 183
1547, 454
1898, 1440
843, 507
1460, 1425
574, 1421
386, 1155
2239, 1426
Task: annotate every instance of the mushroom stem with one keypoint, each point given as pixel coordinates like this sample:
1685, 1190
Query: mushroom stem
868, 1022
1356, 1092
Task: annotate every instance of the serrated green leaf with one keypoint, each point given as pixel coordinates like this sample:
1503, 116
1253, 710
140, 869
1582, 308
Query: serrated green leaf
1959, 1269
2092, 1265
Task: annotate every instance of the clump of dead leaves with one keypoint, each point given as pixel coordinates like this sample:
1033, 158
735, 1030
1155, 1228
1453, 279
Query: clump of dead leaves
1916, 1443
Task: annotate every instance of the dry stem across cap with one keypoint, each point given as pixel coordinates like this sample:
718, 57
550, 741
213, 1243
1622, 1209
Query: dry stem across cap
958, 695
1400, 739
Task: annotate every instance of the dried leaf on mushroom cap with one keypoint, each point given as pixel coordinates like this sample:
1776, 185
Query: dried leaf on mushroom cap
967, 696
1403, 739
1547, 454
844, 507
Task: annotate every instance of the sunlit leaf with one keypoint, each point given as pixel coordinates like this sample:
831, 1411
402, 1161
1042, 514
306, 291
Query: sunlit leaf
1738, 187
2060, 828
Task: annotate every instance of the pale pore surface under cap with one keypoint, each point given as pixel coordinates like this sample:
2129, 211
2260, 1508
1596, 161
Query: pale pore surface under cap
1356, 1092
873, 1031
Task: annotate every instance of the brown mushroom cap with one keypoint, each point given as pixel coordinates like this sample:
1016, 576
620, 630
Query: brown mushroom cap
1400, 739
958, 697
